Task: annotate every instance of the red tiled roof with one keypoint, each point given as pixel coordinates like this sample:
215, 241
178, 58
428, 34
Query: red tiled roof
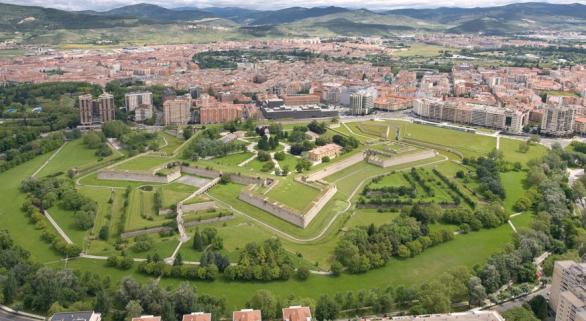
246, 315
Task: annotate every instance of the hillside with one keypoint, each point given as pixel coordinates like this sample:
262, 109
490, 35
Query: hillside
355, 23
157, 13
513, 18
30, 18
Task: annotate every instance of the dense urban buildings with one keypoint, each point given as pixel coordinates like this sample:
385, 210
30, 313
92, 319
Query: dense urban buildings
96, 111
135, 99
177, 111
568, 291
558, 120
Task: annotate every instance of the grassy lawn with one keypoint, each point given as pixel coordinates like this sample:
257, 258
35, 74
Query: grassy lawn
366, 216
513, 184
108, 215
175, 192
65, 220
232, 159
413, 271
141, 211
468, 144
92, 180
510, 148
164, 246
143, 163
422, 50
12, 218
293, 194
290, 161
73, 155
172, 142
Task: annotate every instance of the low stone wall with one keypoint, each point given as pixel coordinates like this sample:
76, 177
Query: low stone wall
152, 230
209, 173
336, 167
198, 206
234, 177
317, 207
399, 160
209, 220
281, 211
274, 208
136, 177
249, 180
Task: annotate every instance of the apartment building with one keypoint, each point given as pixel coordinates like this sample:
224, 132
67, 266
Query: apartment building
361, 104
143, 112
221, 113
177, 111
567, 275
135, 99
505, 119
299, 100
572, 305
558, 120
96, 111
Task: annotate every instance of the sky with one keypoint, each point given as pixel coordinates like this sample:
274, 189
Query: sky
275, 4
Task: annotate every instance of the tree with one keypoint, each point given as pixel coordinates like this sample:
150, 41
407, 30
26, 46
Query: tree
336, 268
10, 288
433, 299
103, 303
133, 309
115, 129
266, 302
198, 243
168, 313
326, 309
477, 292
519, 314
539, 307
187, 132
178, 260
303, 273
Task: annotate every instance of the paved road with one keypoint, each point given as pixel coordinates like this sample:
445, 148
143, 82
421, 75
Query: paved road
5, 316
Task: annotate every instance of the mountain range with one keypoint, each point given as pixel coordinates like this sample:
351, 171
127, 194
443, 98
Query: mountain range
513, 18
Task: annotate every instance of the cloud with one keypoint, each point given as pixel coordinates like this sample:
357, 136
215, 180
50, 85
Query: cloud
262, 4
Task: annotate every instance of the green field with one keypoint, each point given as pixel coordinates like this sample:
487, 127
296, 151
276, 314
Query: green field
311, 246
73, 155
293, 194
142, 163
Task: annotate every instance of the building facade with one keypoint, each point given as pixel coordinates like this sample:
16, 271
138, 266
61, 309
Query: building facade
558, 120
96, 111
177, 111
361, 104
135, 99
328, 150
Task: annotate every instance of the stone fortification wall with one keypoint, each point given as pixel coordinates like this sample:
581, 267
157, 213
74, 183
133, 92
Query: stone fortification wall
209, 173
136, 177
236, 178
399, 160
336, 167
198, 206
266, 205
317, 207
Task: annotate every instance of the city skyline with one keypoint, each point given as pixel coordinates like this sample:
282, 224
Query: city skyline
261, 5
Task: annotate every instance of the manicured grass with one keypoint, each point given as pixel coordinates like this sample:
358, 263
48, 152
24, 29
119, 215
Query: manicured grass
254, 166
108, 215
232, 159
141, 211
172, 143
164, 246
11, 217
92, 180
65, 220
73, 155
465, 250
422, 50
290, 161
293, 194
510, 150
513, 184
365, 217
175, 192
143, 163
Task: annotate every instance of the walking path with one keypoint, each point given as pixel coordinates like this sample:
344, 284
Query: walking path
57, 227
48, 160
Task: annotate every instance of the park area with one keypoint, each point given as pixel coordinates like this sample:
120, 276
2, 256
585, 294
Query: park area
365, 195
